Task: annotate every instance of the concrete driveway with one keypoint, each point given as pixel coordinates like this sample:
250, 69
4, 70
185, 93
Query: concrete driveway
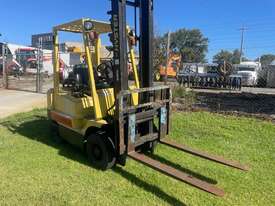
12, 102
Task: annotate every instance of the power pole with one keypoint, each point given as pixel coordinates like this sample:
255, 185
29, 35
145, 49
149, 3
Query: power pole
167, 56
242, 29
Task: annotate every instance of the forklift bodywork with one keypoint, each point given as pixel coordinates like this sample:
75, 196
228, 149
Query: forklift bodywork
107, 114
80, 113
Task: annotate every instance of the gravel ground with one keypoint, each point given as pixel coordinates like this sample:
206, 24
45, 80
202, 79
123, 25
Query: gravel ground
252, 90
12, 102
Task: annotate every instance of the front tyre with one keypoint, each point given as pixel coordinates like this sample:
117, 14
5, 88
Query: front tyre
100, 151
149, 147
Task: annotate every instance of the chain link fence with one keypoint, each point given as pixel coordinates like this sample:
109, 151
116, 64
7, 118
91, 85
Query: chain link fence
245, 89
28, 69
241, 89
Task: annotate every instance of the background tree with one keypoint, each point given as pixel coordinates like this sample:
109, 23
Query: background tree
222, 56
231, 57
236, 57
159, 56
190, 44
266, 59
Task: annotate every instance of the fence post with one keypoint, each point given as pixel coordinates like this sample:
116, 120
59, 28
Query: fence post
37, 71
39, 65
5, 76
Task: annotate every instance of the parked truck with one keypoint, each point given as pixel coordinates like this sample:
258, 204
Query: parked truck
249, 71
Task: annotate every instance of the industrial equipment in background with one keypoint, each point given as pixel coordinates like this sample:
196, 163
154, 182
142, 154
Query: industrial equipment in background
24, 60
249, 71
209, 76
171, 70
106, 115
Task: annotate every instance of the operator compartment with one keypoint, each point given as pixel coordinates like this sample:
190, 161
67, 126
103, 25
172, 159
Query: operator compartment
83, 85
78, 92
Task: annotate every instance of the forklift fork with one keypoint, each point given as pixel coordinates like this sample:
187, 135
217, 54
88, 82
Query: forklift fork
204, 155
174, 173
184, 177
132, 116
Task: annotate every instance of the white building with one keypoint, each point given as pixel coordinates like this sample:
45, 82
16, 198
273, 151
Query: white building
271, 75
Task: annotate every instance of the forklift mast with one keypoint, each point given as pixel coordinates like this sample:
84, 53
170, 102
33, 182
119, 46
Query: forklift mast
119, 40
145, 38
120, 63
146, 41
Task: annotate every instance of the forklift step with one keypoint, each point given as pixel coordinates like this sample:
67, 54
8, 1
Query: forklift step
172, 172
205, 155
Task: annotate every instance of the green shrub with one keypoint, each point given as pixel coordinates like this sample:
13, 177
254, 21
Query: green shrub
181, 92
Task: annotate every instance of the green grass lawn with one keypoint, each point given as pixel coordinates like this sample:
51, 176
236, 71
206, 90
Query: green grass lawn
36, 171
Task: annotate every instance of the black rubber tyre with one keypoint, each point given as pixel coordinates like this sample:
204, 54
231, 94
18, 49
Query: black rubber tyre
100, 151
149, 147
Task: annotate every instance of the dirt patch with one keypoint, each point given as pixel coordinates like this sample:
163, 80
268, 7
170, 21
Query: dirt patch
261, 106
238, 102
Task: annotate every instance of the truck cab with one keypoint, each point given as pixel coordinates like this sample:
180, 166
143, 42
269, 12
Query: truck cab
249, 71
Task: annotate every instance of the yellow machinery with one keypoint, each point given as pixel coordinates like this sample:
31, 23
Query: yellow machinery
88, 111
98, 110
174, 63
70, 110
87, 103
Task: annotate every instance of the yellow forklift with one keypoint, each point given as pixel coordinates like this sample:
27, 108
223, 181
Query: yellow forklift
111, 118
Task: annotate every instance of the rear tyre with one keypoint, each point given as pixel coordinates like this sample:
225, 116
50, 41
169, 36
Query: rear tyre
100, 150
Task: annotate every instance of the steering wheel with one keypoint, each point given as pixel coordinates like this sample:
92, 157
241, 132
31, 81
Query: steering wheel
105, 72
